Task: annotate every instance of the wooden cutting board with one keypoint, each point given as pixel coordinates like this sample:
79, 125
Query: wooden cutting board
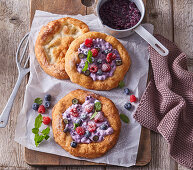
74, 7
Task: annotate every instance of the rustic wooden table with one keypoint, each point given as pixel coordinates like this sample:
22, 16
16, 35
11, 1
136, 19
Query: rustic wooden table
171, 18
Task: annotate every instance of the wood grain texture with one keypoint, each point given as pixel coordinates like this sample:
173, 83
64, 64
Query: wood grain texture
14, 23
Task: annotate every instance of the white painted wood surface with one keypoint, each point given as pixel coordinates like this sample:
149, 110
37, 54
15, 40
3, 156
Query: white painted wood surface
172, 19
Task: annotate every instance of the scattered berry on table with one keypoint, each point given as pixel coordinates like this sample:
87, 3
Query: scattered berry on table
46, 120
87, 73
133, 98
89, 108
35, 106
104, 126
93, 68
99, 72
88, 42
99, 117
106, 67
87, 134
83, 116
91, 126
78, 121
128, 106
94, 52
74, 101
74, 112
73, 144
126, 91
80, 130
95, 138
47, 97
47, 104
41, 109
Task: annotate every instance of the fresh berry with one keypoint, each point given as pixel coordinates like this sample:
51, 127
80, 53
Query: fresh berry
74, 101
118, 62
107, 51
88, 42
126, 91
106, 67
78, 121
87, 134
99, 117
113, 57
47, 104
89, 108
91, 126
35, 106
41, 109
80, 130
46, 120
87, 73
99, 72
65, 121
66, 128
128, 106
94, 52
98, 49
73, 144
74, 112
99, 61
47, 97
81, 55
93, 68
132, 98
104, 126
83, 116
95, 138
110, 57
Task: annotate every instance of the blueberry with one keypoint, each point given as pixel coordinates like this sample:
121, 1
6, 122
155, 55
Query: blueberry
66, 128
83, 116
78, 121
118, 62
47, 104
99, 72
47, 97
65, 121
74, 101
128, 106
104, 126
87, 134
87, 73
99, 61
126, 91
95, 138
81, 55
73, 144
35, 106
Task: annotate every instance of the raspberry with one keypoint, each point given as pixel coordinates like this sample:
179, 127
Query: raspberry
99, 117
132, 98
88, 42
41, 109
80, 130
46, 120
93, 68
91, 126
113, 57
110, 57
94, 52
74, 112
106, 67
89, 108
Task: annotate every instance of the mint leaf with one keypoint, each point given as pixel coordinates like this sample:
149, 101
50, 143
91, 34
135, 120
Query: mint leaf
46, 131
97, 106
38, 100
89, 56
124, 118
93, 115
121, 84
35, 130
38, 121
36, 139
46, 137
85, 66
75, 125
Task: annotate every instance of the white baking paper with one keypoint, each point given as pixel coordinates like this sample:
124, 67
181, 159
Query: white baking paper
39, 84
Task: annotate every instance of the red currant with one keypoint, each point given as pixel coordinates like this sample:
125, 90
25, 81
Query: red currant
46, 120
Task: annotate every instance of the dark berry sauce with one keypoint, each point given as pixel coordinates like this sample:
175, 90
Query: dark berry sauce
119, 14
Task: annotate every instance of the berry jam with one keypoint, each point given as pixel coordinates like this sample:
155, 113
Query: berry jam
119, 14
84, 127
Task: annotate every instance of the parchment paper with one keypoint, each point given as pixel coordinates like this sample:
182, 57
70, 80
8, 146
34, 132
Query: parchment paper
125, 151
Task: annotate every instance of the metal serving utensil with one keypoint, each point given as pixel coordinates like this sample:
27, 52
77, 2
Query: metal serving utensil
22, 72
